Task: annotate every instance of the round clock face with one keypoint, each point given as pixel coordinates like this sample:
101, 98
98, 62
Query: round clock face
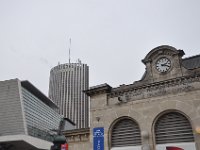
163, 64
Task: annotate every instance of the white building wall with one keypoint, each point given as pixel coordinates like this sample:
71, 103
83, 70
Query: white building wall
11, 118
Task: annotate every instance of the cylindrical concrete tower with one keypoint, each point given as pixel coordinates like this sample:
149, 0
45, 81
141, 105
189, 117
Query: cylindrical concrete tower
66, 85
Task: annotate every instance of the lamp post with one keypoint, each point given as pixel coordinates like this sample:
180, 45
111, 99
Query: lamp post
59, 139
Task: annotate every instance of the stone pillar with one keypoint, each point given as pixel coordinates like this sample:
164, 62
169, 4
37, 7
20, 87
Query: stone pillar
145, 139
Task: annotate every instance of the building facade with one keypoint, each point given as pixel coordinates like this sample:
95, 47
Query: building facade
159, 112
78, 139
27, 117
66, 86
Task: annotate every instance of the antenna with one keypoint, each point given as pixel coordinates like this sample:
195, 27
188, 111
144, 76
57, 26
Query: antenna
69, 49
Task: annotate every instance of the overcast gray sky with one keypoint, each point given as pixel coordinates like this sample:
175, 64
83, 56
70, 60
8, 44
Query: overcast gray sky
111, 36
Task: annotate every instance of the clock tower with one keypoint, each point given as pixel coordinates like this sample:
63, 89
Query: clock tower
163, 63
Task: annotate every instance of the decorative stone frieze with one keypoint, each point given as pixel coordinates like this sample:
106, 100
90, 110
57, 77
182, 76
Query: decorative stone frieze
174, 86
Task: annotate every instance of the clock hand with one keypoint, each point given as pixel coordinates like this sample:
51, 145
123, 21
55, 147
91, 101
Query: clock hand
165, 65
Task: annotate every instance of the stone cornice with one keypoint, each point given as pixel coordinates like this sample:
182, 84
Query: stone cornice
103, 88
172, 86
76, 131
77, 135
162, 49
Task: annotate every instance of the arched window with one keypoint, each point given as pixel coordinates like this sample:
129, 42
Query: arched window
173, 127
125, 133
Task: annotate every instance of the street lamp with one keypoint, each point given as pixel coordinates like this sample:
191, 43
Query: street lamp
59, 139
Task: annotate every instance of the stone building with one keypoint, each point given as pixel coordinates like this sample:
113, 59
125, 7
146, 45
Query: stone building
160, 111
78, 139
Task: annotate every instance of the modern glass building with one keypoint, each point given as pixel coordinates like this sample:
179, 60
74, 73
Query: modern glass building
27, 116
66, 86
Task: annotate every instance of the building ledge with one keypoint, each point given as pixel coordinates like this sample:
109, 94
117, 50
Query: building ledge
25, 141
77, 135
102, 88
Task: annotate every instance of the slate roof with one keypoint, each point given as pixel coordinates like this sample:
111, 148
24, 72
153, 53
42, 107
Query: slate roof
191, 62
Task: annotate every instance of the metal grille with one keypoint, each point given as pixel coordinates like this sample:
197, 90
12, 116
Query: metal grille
173, 128
125, 133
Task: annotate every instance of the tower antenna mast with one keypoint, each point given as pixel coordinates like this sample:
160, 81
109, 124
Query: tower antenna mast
69, 49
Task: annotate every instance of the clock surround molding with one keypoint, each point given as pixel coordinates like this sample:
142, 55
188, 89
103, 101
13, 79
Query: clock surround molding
152, 74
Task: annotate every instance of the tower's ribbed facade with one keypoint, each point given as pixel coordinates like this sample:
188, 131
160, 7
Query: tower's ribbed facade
66, 85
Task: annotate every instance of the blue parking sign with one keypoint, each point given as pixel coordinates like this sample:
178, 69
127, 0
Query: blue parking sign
98, 138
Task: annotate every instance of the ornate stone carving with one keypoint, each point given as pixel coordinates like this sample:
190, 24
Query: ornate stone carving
173, 86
